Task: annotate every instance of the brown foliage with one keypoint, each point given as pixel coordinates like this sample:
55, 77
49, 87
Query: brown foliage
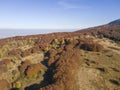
3, 68
63, 60
52, 52
29, 51
14, 52
6, 61
24, 66
50, 61
4, 85
69, 47
99, 48
65, 67
35, 49
89, 45
66, 64
92, 47
109, 31
26, 52
2, 42
33, 70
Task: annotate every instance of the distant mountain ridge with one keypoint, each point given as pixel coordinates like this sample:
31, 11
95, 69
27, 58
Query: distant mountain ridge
116, 22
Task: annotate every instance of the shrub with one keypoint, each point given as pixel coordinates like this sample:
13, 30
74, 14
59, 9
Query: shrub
52, 52
50, 61
18, 85
99, 48
69, 47
6, 61
63, 72
92, 47
14, 52
4, 85
3, 68
24, 66
26, 52
35, 49
33, 70
4, 51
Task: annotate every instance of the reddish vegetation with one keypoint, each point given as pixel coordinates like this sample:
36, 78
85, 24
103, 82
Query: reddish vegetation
24, 66
3, 68
44, 40
6, 61
64, 68
108, 31
63, 61
33, 70
4, 85
35, 49
65, 65
51, 61
29, 51
62, 51
52, 53
92, 47
26, 52
30, 70
2, 42
14, 52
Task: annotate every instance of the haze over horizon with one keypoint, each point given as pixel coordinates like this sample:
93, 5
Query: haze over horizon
51, 15
4, 33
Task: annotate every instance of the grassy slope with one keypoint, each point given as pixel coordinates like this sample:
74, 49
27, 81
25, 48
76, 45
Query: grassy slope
71, 60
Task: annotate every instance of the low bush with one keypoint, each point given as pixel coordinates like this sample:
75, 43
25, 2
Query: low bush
33, 70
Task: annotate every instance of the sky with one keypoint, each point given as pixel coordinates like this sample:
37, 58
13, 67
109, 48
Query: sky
41, 16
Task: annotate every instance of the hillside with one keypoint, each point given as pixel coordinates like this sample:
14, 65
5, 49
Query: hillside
116, 22
83, 60
108, 31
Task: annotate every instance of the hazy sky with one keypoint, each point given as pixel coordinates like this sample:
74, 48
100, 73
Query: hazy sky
57, 14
